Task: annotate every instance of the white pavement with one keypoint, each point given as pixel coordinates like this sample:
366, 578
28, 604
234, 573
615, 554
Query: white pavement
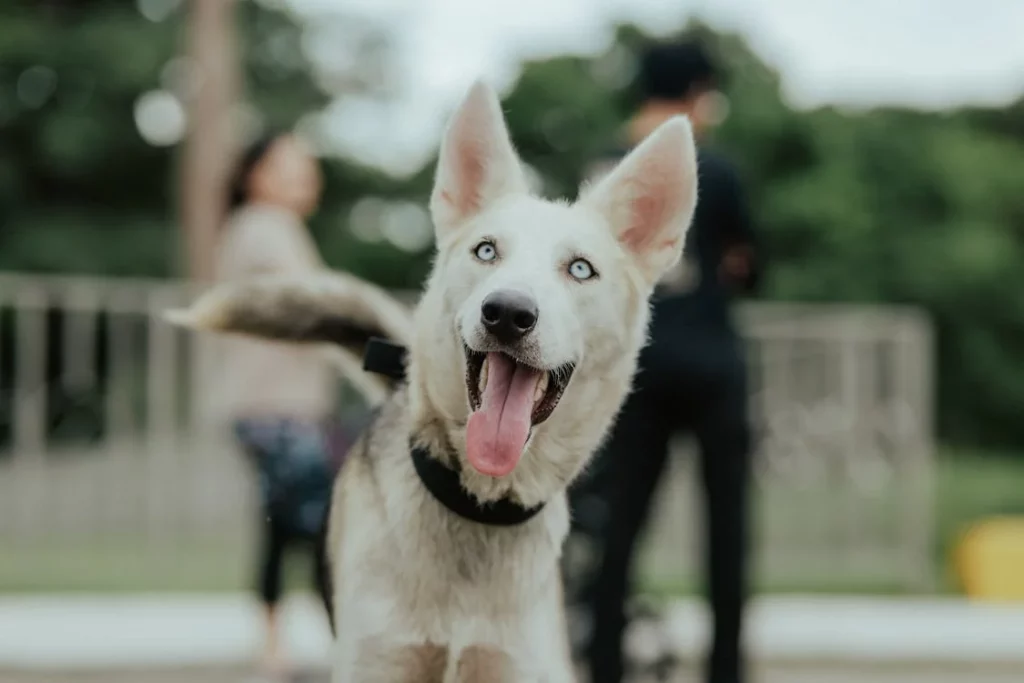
103, 632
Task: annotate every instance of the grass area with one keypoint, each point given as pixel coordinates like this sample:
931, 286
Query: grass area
690, 587
968, 488
971, 487
128, 565
122, 564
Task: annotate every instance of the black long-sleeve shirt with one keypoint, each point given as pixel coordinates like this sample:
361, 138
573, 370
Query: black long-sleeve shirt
721, 222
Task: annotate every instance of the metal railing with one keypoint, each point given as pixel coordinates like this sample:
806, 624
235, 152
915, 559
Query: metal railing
841, 405
103, 444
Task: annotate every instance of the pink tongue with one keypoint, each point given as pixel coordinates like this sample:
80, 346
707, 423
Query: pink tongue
497, 432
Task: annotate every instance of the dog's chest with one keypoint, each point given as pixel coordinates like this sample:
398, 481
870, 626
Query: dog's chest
464, 572
457, 593
432, 573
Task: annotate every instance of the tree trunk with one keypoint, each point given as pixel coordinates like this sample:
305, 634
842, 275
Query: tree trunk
209, 147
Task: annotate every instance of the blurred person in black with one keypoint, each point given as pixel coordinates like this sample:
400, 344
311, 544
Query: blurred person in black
280, 401
691, 378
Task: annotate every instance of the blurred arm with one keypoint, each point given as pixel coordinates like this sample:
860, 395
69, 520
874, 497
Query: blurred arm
743, 256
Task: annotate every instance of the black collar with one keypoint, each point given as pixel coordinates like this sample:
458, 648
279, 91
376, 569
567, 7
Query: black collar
445, 485
384, 358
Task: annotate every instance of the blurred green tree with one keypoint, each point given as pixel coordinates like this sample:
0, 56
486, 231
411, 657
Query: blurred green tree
882, 206
888, 205
91, 97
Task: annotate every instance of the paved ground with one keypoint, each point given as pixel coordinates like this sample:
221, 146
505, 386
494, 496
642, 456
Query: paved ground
800, 674
208, 639
103, 632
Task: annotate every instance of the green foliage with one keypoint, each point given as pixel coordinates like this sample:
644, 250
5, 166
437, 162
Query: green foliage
881, 206
73, 167
885, 206
80, 189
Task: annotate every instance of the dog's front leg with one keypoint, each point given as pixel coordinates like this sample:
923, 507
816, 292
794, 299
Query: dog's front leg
491, 664
381, 660
549, 638
479, 663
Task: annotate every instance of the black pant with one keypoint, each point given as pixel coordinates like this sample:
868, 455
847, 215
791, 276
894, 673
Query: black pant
276, 540
687, 382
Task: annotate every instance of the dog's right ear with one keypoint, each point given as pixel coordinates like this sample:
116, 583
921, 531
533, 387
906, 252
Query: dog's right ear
477, 164
326, 307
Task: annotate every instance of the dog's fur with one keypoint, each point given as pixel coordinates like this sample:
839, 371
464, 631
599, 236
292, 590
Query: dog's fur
420, 592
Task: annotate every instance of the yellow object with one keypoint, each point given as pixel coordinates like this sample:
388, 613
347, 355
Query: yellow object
990, 560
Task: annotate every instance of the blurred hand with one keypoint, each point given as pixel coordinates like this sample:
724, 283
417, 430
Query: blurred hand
736, 265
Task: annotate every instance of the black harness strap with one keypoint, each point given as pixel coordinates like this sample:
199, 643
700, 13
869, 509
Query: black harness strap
384, 358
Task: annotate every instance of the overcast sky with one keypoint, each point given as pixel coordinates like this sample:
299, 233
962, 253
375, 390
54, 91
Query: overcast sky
924, 53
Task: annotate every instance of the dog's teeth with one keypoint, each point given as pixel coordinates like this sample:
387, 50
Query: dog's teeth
541, 389
483, 376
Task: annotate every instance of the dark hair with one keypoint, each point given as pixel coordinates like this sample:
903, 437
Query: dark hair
238, 192
675, 71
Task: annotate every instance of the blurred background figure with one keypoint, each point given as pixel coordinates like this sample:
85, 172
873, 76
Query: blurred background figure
691, 378
279, 398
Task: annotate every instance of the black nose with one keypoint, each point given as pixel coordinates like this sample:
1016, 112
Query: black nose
508, 315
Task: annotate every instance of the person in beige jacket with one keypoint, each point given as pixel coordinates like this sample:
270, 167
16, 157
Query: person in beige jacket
278, 398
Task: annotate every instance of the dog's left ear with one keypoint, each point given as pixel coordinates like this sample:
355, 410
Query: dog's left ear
649, 198
477, 163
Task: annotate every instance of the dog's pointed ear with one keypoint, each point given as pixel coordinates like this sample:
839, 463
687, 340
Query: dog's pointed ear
649, 198
331, 308
477, 164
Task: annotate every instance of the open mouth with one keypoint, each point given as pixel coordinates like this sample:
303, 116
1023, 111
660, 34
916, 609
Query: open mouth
507, 398
548, 387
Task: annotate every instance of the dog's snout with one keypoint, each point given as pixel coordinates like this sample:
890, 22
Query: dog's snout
509, 315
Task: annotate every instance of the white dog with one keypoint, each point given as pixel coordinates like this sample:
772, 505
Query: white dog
449, 516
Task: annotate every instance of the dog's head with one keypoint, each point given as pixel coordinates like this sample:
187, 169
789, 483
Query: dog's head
528, 332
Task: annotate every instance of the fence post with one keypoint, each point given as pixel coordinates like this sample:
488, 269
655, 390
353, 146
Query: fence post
29, 402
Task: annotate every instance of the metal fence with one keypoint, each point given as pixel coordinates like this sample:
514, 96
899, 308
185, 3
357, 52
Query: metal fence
841, 402
108, 467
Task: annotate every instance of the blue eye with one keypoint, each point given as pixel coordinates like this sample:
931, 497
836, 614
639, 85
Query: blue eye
581, 269
486, 251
